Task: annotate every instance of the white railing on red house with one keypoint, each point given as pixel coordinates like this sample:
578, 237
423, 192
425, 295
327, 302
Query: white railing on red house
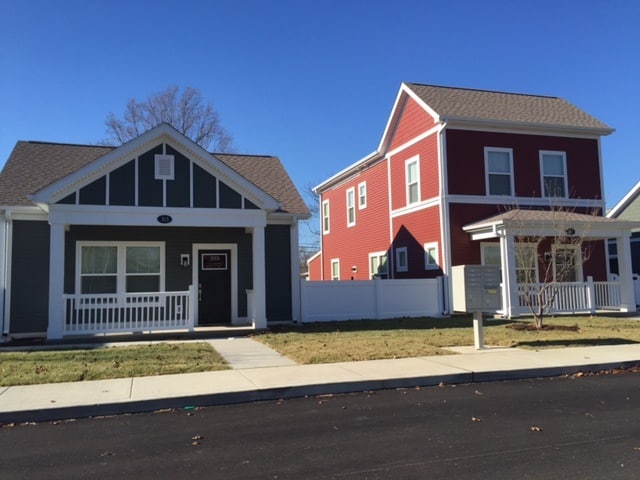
570, 297
127, 312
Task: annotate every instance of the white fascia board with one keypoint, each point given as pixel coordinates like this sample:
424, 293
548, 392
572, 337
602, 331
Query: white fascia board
624, 203
148, 216
163, 133
396, 110
525, 127
517, 202
346, 172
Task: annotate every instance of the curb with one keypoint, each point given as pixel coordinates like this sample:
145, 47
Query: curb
270, 394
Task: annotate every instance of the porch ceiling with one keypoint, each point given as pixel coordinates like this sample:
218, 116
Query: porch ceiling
549, 223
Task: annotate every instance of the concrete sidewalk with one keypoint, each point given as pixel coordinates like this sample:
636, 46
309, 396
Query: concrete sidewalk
259, 373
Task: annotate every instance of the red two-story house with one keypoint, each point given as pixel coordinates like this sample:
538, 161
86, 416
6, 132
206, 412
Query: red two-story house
459, 177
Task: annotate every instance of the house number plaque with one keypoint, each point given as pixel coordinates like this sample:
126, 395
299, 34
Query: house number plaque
165, 219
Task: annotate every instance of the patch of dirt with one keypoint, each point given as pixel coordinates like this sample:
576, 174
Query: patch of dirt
530, 327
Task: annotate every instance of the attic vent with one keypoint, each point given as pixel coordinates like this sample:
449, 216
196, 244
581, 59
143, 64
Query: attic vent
164, 167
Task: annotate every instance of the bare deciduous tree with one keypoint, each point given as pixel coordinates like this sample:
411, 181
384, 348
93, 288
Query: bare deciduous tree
543, 262
185, 111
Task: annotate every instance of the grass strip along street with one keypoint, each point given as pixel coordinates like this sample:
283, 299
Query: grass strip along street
313, 343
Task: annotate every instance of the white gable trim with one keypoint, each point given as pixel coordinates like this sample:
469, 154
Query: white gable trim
163, 133
625, 202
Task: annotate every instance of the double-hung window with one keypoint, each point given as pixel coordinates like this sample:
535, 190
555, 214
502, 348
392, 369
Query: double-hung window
499, 171
351, 207
413, 180
378, 267
431, 256
362, 195
553, 166
325, 216
335, 269
107, 267
402, 259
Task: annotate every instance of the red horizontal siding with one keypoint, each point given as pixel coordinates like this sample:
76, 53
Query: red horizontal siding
466, 172
414, 120
427, 150
352, 245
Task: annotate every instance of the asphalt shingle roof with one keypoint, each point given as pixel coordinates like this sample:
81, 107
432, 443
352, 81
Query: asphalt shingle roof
485, 105
35, 165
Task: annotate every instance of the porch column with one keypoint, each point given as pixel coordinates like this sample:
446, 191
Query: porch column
295, 273
259, 280
627, 293
56, 280
510, 303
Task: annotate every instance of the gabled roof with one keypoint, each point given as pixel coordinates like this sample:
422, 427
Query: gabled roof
36, 166
629, 207
465, 104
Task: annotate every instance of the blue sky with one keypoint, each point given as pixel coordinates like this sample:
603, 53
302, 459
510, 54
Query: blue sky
313, 81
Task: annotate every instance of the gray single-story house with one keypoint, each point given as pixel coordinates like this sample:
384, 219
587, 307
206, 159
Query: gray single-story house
156, 234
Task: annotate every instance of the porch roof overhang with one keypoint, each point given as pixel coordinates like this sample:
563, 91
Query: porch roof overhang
549, 223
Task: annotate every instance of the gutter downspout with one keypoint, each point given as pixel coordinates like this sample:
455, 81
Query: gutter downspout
445, 234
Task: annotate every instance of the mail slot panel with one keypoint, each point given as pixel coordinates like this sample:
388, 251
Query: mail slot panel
476, 288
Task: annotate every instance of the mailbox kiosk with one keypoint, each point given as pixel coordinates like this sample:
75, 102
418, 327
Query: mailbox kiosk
476, 289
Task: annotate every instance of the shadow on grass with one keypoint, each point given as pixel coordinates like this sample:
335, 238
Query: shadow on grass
581, 342
423, 323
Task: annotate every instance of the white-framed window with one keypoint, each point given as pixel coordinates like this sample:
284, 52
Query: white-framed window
119, 267
362, 195
412, 175
526, 263
499, 171
402, 259
325, 216
553, 168
378, 267
431, 255
567, 263
335, 269
351, 207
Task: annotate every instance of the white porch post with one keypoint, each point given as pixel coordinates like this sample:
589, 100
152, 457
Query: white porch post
56, 280
510, 303
259, 280
627, 292
295, 273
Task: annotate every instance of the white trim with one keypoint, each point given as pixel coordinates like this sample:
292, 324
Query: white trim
164, 166
379, 254
427, 264
487, 173
416, 207
414, 140
351, 206
121, 248
234, 275
407, 163
362, 186
325, 228
563, 157
399, 266
148, 216
624, 202
335, 261
526, 201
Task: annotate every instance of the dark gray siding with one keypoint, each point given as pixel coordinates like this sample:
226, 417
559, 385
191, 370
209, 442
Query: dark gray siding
204, 188
149, 189
122, 185
95, 193
29, 277
177, 241
229, 198
178, 189
278, 272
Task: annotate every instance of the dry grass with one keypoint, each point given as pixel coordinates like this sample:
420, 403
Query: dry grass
401, 338
72, 365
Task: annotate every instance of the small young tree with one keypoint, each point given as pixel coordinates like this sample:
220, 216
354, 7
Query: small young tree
186, 112
543, 261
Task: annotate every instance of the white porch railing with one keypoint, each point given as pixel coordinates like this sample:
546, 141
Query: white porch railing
130, 312
571, 297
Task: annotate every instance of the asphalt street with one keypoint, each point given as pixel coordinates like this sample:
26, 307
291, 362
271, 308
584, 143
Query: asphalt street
578, 427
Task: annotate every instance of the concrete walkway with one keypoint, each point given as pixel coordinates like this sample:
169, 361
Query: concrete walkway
259, 373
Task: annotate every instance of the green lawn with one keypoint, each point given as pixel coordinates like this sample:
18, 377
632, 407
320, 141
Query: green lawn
401, 338
72, 365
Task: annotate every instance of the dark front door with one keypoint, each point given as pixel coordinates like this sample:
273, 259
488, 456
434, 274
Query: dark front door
214, 286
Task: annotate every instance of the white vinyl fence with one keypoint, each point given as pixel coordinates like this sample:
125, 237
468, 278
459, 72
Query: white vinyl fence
371, 299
